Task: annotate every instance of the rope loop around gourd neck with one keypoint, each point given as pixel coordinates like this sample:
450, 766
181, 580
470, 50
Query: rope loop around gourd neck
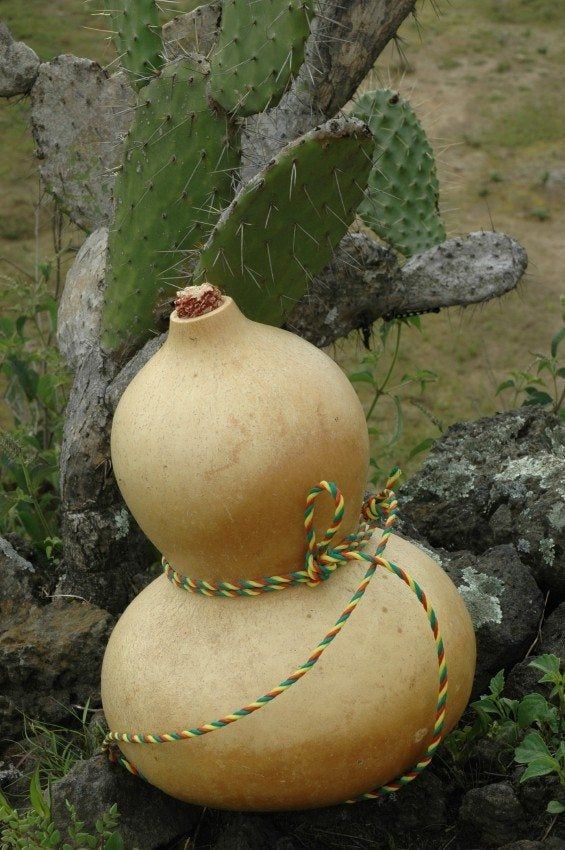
320, 563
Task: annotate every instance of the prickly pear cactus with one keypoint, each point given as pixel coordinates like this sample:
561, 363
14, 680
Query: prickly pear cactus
401, 204
259, 50
137, 38
177, 173
282, 227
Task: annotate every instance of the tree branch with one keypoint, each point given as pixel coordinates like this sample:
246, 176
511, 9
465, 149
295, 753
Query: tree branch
345, 42
364, 282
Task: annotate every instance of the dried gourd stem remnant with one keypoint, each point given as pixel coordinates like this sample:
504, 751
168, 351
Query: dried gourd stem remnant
193, 301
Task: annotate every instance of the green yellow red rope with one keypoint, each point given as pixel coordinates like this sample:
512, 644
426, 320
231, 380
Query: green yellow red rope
320, 563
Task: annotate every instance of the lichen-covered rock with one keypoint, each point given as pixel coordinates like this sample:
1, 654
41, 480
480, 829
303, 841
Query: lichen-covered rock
79, 116
492, 815
497, 480
503, 600
18, 65
50, 654
149, 819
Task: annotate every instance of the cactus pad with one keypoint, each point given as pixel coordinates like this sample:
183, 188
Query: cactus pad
179, 161
137, 38
282, 227
260, 49
401, 204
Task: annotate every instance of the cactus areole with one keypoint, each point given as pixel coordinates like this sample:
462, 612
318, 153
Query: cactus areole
216, 444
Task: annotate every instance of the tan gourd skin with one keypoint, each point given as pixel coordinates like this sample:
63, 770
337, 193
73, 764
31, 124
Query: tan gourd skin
263, 417
218, 439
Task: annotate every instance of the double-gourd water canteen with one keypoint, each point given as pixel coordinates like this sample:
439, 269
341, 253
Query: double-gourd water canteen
295, 652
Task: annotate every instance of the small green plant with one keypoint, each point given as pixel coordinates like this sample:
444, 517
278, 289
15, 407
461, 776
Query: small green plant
383, 389
542, 382
33, 829
53, 749
34, 397
529, 731
541, 213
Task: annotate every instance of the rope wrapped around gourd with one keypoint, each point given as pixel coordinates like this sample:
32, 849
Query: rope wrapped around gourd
321, 561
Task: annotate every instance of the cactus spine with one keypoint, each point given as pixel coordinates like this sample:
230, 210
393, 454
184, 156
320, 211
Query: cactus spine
282, 227
401, 204
137, 38
279, 232
259, 50
177, 173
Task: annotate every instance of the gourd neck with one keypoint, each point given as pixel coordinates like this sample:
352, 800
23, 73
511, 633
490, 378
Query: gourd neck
211, 328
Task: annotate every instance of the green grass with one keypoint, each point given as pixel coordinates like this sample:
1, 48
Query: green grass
56, 27
534, 118
524, 11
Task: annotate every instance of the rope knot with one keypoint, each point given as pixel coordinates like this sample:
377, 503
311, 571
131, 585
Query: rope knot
320, 561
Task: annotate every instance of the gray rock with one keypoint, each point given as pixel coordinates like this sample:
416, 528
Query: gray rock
250, 832
50, 659
16, 579
536, 793
497, 480
504, 602
19, 65
523, 679
194, 32
79, 116
523, 845
149, 819
553, 633
492, 814
403, 815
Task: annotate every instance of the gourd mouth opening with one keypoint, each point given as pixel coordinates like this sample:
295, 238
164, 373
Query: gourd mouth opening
197, 302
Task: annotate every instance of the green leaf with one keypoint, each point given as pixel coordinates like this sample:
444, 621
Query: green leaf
114, 842
487, 705
399, 423
548, 663
556, 341
532, 747
423, 446
36, 797
536, 396
361, 377
505, 385
496, 684
27, 377
554, 807
533, 707
20, 325
539, 767
5, 807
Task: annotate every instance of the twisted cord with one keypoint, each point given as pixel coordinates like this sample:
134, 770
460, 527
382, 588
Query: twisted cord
320, 563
